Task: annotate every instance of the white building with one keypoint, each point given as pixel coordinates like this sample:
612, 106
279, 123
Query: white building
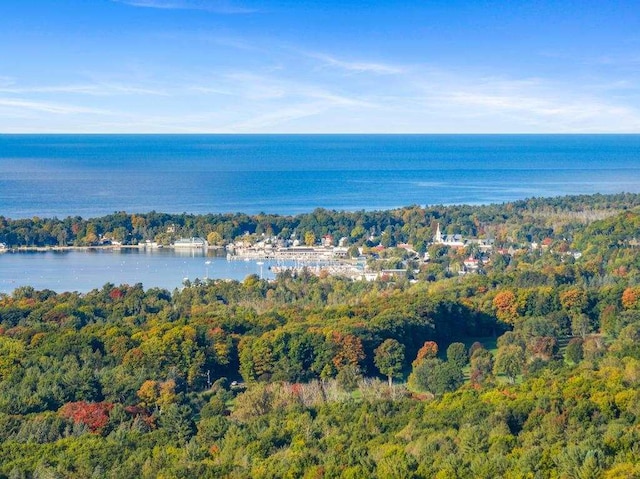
447, 240
194, 243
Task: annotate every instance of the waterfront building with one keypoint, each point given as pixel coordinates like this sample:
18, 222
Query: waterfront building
194, 242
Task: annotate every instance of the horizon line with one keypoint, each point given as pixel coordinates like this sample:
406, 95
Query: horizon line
325, 133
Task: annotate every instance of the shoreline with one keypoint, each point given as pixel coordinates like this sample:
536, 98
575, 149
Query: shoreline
44, 249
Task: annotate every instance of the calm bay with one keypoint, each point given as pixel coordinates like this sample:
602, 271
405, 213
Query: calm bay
84, 270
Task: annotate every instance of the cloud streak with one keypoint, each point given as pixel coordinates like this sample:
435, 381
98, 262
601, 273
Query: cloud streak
85, 89
540, 104
48, 107
212, 6
356, 66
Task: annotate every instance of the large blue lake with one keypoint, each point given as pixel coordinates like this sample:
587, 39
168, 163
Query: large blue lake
93, 175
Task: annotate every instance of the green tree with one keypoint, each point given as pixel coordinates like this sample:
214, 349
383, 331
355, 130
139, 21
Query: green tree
348, 377
457, 354
178, 422
435, 376
580, 325
574, 352
357, 232
389, 358
481, 366
509, 361
214, 238
396, 463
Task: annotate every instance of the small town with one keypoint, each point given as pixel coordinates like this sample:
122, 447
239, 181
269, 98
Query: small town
331, 257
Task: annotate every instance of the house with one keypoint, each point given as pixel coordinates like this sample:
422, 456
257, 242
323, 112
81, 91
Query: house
471, 263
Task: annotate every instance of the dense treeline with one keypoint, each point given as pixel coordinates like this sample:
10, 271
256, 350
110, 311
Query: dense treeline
528, 220
529, 370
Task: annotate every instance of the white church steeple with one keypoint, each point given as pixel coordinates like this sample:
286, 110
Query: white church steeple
438, 237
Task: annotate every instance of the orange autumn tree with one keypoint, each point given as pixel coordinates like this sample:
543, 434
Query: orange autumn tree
148, 394
429, 350
506, 306
631, 298
349, 350
574, 300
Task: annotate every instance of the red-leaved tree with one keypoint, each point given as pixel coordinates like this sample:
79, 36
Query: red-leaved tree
94, 415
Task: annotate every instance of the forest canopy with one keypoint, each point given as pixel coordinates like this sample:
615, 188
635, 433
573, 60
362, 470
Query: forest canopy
528, 220
529, 369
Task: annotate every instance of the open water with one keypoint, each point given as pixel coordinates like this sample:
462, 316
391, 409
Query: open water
94, 175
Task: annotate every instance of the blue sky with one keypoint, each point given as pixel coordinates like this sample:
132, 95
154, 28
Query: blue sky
284, 66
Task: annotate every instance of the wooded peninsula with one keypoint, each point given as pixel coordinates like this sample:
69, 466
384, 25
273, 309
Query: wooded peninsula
515, 353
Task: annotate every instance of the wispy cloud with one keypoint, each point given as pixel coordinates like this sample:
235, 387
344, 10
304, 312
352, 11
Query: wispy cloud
6, 81
356, 66
529, 105
49, 107
274, 119
252, 86
106, 89
213, 6
261, 102
210, 90
615, 60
